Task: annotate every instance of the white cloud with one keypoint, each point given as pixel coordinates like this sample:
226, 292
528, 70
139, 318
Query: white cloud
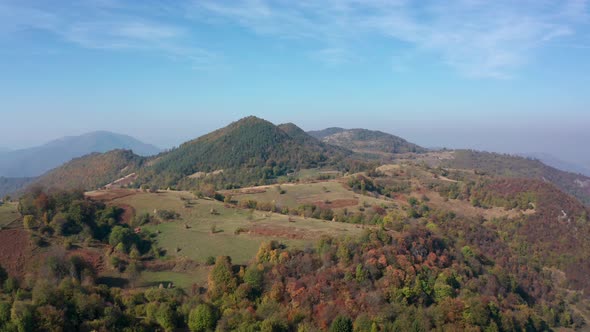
108, 25
478, 38
475, 37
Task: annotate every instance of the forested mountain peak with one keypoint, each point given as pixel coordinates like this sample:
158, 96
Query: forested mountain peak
245, 146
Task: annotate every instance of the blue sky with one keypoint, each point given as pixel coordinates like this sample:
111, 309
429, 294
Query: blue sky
509, 76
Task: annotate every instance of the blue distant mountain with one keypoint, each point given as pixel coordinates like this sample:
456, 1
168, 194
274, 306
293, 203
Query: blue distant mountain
35, 161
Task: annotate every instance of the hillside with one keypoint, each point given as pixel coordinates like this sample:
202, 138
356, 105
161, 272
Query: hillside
35, 161
518, 167
406, 247
558, 163
366, 141
11, 185
91, 171
304, 138
251, 147
320, 134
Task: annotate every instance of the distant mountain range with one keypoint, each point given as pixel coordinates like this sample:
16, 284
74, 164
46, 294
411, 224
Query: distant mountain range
35, 161
253, 151
366, 141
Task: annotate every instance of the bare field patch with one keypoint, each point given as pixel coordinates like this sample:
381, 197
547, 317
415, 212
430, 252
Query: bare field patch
15, 251
110, 194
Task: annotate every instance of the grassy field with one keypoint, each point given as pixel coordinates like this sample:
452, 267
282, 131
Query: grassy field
8, 213
208, 228
328, 193
177, 279
314, 173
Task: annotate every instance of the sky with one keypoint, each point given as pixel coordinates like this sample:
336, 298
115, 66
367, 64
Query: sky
504, 75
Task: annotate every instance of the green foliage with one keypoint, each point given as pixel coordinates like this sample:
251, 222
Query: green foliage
141, 219
363, 184
167, 214
274, 324
21, 316
210, 260
341, 324
165, 316
248, 151
254, 277
467, 252
360, 274
29, 222
221, 279
5, 308
122, 235
203, 318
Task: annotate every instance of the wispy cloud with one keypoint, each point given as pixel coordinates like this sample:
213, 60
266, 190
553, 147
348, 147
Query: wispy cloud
475, 37
478, 38
109, 25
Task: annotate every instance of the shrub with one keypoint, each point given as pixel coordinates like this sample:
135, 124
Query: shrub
168, 214
29, 222
210, 260
202, 319
254, 277
341, 324
141, 219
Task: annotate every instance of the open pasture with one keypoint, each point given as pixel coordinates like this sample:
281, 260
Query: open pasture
8, 213
326, 194
209, 228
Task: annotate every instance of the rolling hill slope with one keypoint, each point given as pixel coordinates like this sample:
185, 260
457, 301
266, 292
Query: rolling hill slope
11, 185
91, 171
366, 141
519, 167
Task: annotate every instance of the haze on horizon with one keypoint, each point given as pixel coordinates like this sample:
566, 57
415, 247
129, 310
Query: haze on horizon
495, 76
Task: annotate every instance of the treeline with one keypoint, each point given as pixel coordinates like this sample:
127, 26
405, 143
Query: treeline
481, 194
70, 217
412, 280
233, 178
505, 165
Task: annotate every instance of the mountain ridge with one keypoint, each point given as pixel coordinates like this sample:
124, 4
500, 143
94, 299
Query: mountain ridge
366, 141
90, 171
